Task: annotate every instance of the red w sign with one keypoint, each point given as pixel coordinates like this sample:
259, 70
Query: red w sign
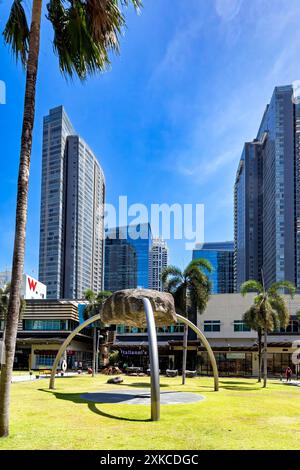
32, 284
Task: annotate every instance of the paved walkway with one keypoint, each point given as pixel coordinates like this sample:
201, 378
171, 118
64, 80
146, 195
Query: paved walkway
29, 378
296, 383
23, 378
141, 397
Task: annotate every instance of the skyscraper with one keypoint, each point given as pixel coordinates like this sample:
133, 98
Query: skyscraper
220, 255
158, 260
139, 238
273, 247
72, 209
248, 213
120, 265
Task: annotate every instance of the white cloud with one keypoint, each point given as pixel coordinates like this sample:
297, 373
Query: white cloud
202, 167
176, 53
228, 9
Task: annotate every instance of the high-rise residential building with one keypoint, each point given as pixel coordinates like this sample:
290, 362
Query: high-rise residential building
120, 270
220, 255
139, 238
248, 203
158, 261
267, 201
72, 210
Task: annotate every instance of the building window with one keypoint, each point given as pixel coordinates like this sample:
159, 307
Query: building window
293, 327
240, 326
42, 325
124, 329
45, 360
212, 325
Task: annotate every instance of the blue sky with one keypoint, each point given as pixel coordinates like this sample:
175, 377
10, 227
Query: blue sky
169, 119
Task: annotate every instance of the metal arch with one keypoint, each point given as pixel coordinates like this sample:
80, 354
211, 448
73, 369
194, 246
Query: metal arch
153, 353
207, 346
66, 344
154, 364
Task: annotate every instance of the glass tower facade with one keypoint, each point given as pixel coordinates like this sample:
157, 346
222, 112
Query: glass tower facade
248, 214
139, 238
220, 255
275, 197
120, 270
72, 209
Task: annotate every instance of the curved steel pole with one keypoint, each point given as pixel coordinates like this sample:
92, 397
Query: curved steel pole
207, 346
66, 344
154, 364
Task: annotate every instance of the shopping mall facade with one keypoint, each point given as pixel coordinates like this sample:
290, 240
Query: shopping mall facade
234, 345
46, 323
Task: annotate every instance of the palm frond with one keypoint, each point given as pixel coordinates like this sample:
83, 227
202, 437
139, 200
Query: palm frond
200, 263
282, 312
170, 271
85, 31
250, 317
73, 42
282, 286
102, 296
200, 293
106, 21
16, 32
180, 299
251, 286
172, 284
136, 3
89, 295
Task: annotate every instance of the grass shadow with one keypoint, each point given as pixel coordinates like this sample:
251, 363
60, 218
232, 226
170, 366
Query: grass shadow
93, 407
78, 399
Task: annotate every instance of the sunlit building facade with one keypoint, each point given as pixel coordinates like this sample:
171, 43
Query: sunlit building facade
220, 255
267, 197
72, 209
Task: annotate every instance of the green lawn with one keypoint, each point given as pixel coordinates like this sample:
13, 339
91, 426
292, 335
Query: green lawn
241, 415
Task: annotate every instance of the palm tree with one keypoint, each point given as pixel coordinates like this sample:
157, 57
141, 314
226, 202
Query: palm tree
85, 31
94, 307
190, 289
268, 312
249, 318
4, 300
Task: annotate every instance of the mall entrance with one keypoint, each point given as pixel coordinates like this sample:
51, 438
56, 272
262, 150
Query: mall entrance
235, 364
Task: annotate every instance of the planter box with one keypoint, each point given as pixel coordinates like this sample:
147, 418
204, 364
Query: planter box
191, 373
171, 373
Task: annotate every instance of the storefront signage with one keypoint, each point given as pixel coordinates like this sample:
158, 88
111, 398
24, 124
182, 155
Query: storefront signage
46, 352
235, 355
131, 352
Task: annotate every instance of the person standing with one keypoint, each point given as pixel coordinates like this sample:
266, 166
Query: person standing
288, 374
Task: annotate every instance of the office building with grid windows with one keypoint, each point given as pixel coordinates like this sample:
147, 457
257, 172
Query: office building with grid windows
158, 261
267, 196
220, 256
72, 209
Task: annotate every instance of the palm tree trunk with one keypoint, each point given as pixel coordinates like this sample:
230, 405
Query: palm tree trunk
184, 353
21, 216
259, 356
265, 358
97, 351
94, 350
